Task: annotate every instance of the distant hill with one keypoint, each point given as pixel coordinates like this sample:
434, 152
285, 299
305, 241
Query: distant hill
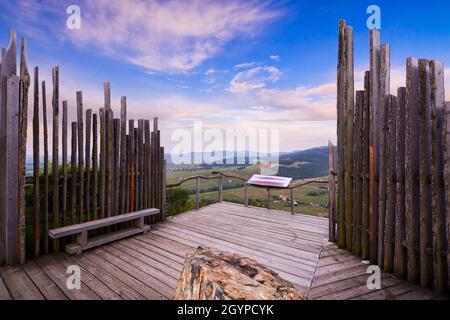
311, 163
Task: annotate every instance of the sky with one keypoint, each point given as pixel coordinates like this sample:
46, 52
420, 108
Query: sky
230, 64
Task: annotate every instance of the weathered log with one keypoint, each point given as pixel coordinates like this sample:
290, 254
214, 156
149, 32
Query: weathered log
210, 274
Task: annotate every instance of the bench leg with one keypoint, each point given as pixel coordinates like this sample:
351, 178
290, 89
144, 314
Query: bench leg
140, 223
80, 243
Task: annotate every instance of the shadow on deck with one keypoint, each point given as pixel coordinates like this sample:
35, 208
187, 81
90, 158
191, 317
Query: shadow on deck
148, 266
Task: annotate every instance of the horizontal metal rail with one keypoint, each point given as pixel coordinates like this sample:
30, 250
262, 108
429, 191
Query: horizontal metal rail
222, 175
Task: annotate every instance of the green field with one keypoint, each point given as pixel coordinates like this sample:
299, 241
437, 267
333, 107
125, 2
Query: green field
312, 199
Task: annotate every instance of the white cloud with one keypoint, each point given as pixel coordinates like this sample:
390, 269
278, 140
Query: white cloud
163, 36
312, 104
275, 58
244, 65
255, 78
169, 36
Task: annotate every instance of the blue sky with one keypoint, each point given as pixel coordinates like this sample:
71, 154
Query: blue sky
230, 64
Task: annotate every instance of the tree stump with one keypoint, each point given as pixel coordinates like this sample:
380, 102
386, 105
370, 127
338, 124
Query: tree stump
210, 274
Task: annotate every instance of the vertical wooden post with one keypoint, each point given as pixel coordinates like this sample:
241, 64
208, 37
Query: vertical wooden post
384, 68
80, 153
437, 184
365, 146
95, 166
116, 165
108, 150
9, 92
64, 163
331, 193
141, 164
348, 138
374, 141
390, 184
12, 183
412, 203
131, 163
147, 164
400, 229
426, 261
102, 164
87, 153
164, 190
197, 192
357, 171
24, 86
36, 166
123, 152
161, 173
128, 176
46, 181
136, 169
268, 198
446, 133
73, 173
55, 154
341, 75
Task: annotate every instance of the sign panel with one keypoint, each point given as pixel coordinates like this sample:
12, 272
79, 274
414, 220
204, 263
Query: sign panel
269, 181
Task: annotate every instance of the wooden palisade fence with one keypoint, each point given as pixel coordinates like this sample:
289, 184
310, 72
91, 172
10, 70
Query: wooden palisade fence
111, 170
393, 172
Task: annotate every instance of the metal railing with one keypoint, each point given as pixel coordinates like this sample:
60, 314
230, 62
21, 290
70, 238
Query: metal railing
221, 175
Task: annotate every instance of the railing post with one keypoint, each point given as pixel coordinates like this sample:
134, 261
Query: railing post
246, 194
268, 198
292, 201
197, 192
221, 188
164, 191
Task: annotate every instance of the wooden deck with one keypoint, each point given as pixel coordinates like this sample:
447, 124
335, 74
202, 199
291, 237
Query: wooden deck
147, 266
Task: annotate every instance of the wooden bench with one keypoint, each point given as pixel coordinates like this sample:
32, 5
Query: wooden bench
81, 230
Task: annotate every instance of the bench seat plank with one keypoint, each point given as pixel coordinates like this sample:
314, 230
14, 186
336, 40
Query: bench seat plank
96, 224
76, 248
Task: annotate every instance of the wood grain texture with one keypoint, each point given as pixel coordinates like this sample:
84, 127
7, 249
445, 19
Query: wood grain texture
391, 188
400, 228
348, 138
437, 102
88, 186
73, 180
64, 164
95, 186
446, 133
36, 166
24, 86
375, 109
46, 180
412, 204
340, 134
425, 237
365, 154
384, 69
55, 154
7, 71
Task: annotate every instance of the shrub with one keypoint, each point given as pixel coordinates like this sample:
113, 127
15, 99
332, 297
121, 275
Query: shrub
177, 201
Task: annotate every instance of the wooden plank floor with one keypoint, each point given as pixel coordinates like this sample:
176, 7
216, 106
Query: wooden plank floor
148, 266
